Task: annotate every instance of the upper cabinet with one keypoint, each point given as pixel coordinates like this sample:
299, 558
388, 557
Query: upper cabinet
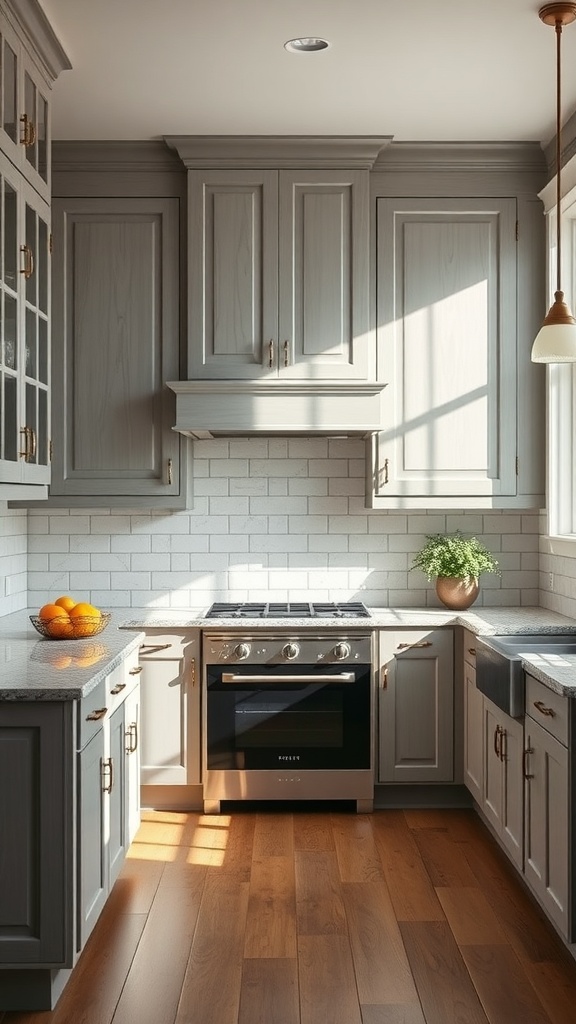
27, 71
26, 78
459, 280
278, 275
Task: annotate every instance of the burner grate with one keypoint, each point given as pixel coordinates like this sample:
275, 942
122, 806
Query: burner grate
288, 610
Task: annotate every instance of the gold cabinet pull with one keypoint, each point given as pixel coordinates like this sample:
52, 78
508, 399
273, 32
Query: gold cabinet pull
107, 774
28, 268
28, 134
472, 651
26, 454
135, 671
131, 737
169, 471
286, 352
270, 354
118, 688
541, 707
153, 648
96, 715
421, 643
33, 443
525, 754
497, 742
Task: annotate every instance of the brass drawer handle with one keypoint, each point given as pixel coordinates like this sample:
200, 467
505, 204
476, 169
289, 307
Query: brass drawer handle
154, 647
131, 737
472, 651
118, 688
422, 643
107, 770
525, 754
135, 671
28, 136
96, 715
541, 707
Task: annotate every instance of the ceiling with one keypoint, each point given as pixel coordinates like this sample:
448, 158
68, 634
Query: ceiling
449, 70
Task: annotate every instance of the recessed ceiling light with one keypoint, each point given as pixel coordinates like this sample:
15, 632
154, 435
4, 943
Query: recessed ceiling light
307, 44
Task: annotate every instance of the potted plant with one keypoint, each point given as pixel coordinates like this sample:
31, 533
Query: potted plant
456, 562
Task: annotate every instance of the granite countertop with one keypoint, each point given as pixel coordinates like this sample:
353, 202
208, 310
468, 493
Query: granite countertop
33, 668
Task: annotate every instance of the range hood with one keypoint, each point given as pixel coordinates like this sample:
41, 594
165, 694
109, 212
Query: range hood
225, 408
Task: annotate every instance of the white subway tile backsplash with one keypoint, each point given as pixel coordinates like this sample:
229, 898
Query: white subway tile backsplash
277, 518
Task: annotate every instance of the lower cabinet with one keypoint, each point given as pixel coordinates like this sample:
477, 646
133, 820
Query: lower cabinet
549, 857
502, 793
170, 712
416, 706
108, 797
69, 806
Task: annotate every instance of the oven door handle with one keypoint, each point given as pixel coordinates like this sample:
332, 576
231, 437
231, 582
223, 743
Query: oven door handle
342, 677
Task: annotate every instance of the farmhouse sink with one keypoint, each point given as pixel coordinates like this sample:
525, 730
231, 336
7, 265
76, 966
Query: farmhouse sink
499, 671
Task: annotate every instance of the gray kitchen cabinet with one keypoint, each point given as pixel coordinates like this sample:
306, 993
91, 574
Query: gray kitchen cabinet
25, 348
456, 316
278, 275
66, 814
416, 706
502, 797
107, 800
170, 708
116, 342
473, 723
31, 58
548, 769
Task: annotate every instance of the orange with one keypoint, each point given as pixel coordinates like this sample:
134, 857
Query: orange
83, 608
85, 619
65, 602
50, 611
59, 627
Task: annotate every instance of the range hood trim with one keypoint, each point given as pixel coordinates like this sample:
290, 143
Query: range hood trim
217, 408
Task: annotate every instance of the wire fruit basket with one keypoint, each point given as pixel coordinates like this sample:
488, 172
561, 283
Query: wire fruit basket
64, 627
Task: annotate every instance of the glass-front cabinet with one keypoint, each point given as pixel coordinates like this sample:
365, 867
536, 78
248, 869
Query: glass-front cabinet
25, 332
24, 111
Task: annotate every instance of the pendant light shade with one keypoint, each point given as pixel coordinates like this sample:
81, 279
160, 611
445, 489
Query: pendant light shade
556, 340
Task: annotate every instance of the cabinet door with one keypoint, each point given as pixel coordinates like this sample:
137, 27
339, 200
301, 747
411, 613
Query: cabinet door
512, 745
170, 709
116, 331
36, 816
114, 786
92, 867
233, 274
25, 348
416, 706
446, 297
473, 734
493, 775
324, 330
132, 763
546, 822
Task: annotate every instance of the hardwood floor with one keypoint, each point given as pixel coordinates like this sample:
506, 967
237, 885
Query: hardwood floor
261, 917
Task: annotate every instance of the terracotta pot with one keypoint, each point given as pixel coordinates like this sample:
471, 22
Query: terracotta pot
457, 594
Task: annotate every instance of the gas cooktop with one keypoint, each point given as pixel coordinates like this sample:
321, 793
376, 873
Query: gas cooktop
289, 610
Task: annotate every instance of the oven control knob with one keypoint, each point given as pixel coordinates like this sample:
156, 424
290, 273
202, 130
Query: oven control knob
341, 651
241, 651
291, 651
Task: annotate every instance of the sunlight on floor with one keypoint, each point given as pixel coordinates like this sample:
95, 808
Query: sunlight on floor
169, 836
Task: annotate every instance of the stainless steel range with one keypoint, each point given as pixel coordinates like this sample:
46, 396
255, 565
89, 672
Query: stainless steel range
288, 711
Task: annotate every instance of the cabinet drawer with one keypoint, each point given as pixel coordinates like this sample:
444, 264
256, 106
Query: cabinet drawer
547, 708
106, 697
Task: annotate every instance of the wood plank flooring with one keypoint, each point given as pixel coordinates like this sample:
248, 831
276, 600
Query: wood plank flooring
318, 917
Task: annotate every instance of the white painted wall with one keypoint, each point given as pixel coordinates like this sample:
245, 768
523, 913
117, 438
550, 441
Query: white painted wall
277, 518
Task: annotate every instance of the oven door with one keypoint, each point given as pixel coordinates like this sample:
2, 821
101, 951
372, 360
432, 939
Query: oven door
305, 716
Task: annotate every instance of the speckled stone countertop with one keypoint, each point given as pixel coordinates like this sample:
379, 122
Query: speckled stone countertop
32, 668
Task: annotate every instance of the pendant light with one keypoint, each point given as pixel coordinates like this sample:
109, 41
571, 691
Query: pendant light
556, 340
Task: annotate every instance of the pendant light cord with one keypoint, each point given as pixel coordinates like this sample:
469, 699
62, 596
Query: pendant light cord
558, 153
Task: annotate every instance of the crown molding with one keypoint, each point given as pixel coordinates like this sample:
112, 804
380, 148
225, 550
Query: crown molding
93, 156
462, 156
272, 151
29, 21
